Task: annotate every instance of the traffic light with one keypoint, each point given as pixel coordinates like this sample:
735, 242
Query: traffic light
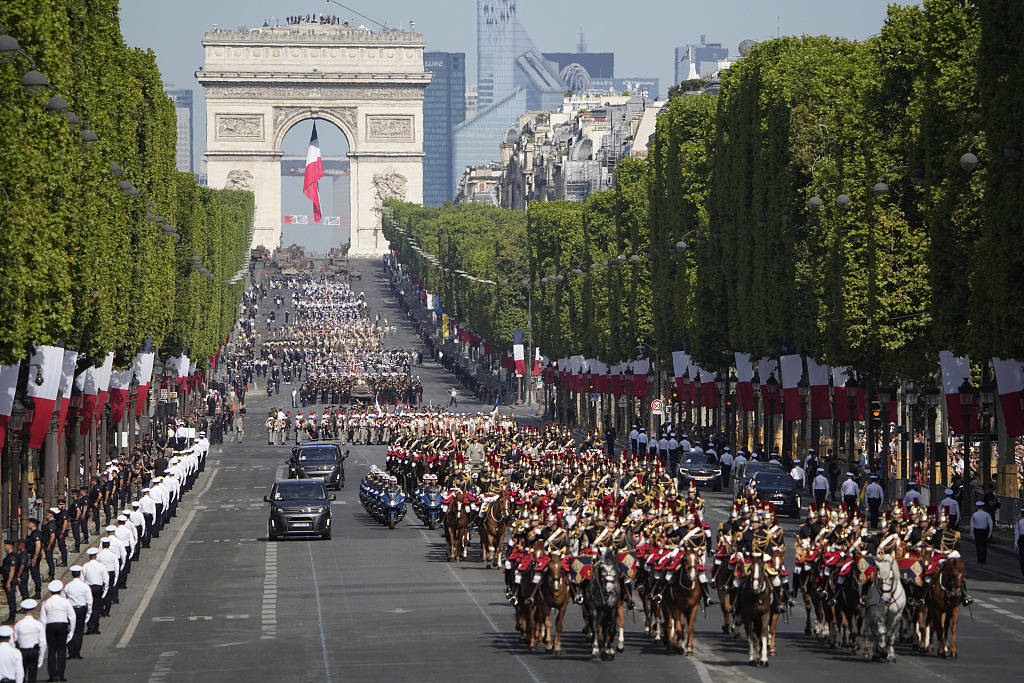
876, 413
675, 394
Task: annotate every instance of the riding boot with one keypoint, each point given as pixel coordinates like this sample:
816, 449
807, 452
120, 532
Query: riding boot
705, 594
965, 599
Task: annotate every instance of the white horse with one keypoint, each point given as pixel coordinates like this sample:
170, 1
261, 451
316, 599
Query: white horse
885, 602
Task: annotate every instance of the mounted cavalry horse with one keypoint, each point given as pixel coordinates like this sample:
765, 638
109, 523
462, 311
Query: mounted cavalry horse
551, 593
602, 595
755, 600
680, 601
456, 527
883, 614
491, 528
943, 602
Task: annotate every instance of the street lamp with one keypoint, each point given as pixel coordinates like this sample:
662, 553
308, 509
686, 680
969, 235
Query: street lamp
931, 398
910, 395
771, 395
884, 396
804, 388
966, 402
851, 397
987, 400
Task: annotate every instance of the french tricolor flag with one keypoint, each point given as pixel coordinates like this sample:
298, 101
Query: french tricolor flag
518, 352
67, 380
8, 385
86, 383
43, 383
954, 371
182, 365
102, 384
120, 382
817, 378
1010, 380
143, 372
314, 172
792, 370
745, 381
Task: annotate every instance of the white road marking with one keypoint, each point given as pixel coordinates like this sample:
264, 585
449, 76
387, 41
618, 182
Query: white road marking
200, 618
494, 627
162, 667
268, 612
155, 581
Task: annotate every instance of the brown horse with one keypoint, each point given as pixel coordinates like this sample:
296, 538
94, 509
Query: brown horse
721, 580
943, 605
815, 605
679, 604
491, 528
456, 527
755, 598
553, 595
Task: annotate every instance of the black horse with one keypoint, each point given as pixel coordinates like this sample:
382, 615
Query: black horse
601, 598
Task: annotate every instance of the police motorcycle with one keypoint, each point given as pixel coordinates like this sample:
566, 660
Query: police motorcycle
382, 498
426, 501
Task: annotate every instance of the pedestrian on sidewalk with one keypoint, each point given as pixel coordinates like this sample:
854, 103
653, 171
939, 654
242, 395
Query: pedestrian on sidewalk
981, 529
453, 400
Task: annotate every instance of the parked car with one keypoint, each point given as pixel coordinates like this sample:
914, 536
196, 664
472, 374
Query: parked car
319, 460
779, 489
299, 507
702, 468
742, 475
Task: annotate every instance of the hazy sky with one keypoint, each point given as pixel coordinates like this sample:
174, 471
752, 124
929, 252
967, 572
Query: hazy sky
642, 33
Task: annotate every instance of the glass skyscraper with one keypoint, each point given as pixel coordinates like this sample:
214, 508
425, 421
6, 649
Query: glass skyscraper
512, 78
444, 107
183, 110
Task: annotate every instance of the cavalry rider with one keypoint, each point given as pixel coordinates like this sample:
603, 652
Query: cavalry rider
695, 538
806, 534
759, 539
890, 541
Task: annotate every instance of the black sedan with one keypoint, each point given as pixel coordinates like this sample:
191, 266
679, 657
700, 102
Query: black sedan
779, 489
319, 460
299, 508
701, 468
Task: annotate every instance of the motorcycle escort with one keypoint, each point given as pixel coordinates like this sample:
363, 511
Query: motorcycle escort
382, 498
426, 501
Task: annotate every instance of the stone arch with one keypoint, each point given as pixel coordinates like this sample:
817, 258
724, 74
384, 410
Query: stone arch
345, 118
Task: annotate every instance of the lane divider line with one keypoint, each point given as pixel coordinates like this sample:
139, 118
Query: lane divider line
159, 575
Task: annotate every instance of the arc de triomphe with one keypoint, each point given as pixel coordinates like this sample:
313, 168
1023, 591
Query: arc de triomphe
260, 82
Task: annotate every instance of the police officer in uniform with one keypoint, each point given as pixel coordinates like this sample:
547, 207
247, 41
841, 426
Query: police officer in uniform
874, 494
34, 547
9, 573
49, 539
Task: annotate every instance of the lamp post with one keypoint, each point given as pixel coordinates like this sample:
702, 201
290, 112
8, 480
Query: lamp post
755, 383
910, 395
966, 401
730, 420
805, 390
931, 397
986, 405
771, 393
884, 396
720, 388
851, 398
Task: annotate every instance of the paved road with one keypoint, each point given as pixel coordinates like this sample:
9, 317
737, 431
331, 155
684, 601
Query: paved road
379, 604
